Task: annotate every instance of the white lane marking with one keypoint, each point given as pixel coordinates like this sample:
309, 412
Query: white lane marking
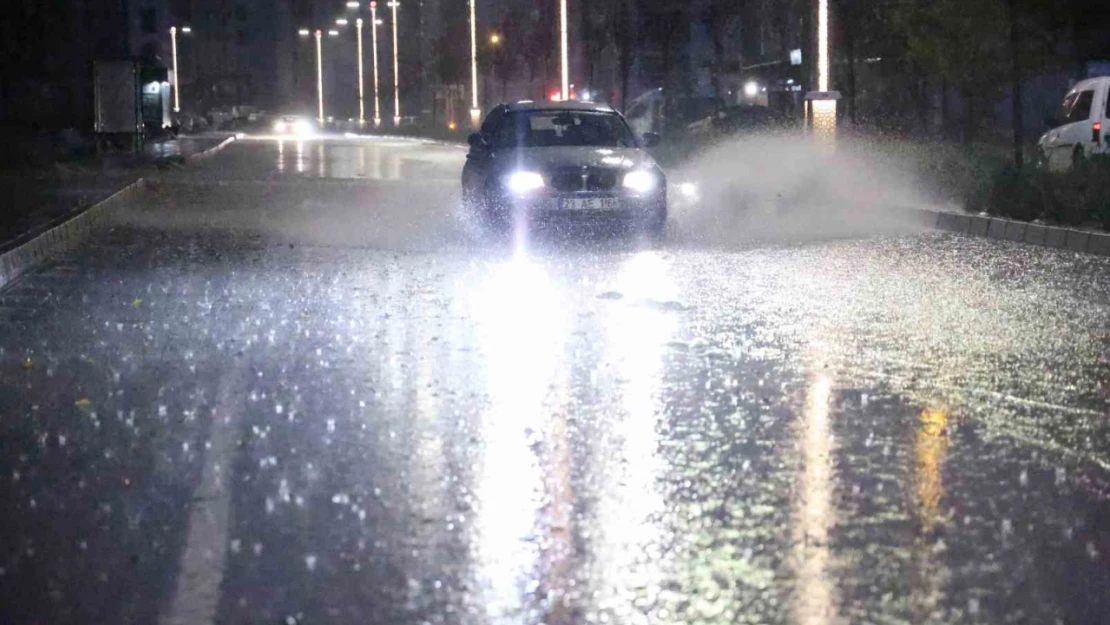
200, 572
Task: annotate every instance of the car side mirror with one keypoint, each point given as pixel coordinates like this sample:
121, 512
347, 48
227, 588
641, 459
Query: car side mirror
650, 140
476, 141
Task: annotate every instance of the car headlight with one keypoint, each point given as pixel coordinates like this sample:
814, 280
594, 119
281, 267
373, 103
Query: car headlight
688, 190
279, 127
523, 182
302, 127
639, 181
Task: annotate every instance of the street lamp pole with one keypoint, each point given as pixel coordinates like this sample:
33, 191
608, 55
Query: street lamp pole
374, 42
319, 77
176, 75
475, 112
396, 85
822, 45
821, 104
563, 53
361, 93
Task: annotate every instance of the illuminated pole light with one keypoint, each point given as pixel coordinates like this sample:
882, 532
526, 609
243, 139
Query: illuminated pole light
563, 47
822, 103
319, 77
176, 75
396, 83
374, 42
822, 45
361, 91
475, 112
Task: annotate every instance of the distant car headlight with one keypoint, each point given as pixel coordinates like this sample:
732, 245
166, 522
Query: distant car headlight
523, 182
279, 127
640, 181
302, 127
688, 190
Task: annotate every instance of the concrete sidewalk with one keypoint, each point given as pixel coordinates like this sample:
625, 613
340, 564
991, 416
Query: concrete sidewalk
30, 199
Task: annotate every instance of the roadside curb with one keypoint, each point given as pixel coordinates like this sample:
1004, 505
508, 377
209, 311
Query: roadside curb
1084, 241
425, 140
71, 231
199, 156
75, 228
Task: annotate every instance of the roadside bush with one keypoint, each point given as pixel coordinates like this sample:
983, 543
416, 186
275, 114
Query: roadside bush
1079, 196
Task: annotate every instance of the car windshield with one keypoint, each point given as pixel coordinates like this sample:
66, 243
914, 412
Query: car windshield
1081, 110
535, 129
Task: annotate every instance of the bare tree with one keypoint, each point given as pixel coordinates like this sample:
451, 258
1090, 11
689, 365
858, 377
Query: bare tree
625, 35
539, 41
504, 55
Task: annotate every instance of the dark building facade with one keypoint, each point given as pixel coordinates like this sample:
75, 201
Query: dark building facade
239, 52
47, 48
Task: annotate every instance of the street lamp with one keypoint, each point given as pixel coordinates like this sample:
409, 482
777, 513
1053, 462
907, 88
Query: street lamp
563, 52
319, 78
821, 104
396, 85
375, 22
475, 112
822, 45
361, 92
185, 30
495, 39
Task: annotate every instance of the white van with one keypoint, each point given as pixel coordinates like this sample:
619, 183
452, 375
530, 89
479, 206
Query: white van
1082, 126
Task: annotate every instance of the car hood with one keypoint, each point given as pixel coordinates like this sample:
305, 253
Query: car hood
551, 158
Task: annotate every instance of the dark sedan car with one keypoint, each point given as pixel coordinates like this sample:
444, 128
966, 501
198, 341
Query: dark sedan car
580, 160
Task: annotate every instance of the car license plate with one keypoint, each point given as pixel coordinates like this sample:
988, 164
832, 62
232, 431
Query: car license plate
589, 203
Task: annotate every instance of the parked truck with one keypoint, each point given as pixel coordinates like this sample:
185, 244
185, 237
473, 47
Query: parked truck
117, 98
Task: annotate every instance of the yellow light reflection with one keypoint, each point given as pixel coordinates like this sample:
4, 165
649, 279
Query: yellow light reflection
930, 447
300, 157
813, 511
281, 156
930, 450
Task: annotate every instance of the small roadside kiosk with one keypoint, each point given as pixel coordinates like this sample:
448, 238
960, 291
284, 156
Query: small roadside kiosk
820, 111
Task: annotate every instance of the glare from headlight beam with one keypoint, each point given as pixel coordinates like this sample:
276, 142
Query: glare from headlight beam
302, 127
751, 89
279, 127
523, 182
688, 190
639, 181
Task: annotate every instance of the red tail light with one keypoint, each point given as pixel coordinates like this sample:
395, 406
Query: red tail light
1096, 128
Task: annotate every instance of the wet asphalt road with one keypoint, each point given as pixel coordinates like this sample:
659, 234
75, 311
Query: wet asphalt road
294, 386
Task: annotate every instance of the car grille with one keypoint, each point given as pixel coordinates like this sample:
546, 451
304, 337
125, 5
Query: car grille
570, 180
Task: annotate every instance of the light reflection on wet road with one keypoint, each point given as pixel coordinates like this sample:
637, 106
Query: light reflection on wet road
295, 387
